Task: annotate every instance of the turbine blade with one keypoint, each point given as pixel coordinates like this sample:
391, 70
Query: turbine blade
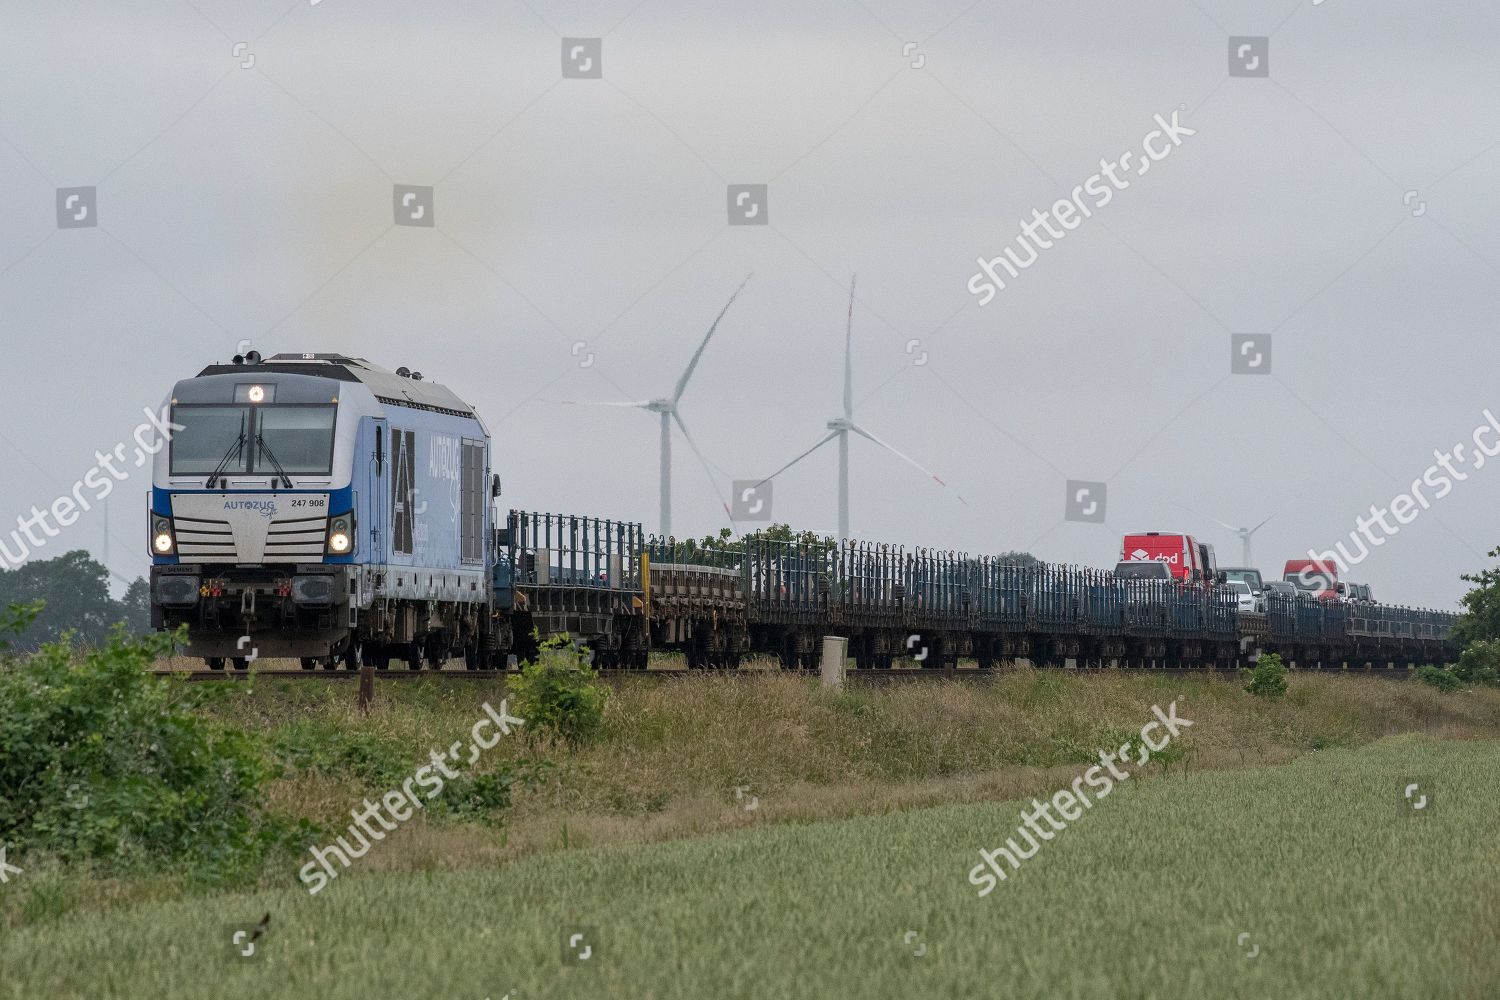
1215, 520
849, 355
907, 459
590, 402
1260, 525
703, 462
821, 443
682, 382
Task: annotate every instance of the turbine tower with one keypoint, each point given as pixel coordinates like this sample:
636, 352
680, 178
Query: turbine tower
841, 427
667, 408
1245, 534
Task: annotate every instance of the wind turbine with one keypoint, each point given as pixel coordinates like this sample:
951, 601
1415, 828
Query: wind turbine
842, 427
667, 408
1244, 534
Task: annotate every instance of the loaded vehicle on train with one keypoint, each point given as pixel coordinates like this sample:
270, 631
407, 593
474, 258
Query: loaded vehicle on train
321, 508
1318, 577
1187, 558
1247, 575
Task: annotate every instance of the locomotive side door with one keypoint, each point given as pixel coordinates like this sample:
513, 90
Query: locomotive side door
378, 492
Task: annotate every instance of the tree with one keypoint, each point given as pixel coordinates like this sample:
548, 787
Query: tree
74, 590
135, 607
1481, 616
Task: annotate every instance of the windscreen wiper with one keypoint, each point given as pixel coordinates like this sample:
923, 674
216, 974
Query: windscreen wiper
260, 444
235, 450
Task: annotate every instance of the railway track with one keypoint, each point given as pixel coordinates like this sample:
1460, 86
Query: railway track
860, 677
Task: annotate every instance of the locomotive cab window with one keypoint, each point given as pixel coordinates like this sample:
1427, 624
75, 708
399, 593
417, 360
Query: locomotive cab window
299, 437
246, 440
211, 435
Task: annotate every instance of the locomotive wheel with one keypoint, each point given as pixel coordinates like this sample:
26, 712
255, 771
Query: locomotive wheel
353, 654
330, 663
308, 662
241, 663
214, 662
472, 656
413, 655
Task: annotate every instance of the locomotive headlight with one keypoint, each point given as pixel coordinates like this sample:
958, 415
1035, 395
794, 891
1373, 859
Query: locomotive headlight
341, 535
163, 541
251, 393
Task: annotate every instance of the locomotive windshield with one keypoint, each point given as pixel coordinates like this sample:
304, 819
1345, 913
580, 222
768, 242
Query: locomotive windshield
300, 437
209, 435
258, 440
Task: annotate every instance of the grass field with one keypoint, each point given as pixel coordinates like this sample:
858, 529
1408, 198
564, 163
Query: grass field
1146, 896
671, 755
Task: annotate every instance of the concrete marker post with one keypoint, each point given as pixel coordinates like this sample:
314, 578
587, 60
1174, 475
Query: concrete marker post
835, 653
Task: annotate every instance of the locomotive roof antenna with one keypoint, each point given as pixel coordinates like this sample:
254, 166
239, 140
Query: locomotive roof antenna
667, 408
841, 427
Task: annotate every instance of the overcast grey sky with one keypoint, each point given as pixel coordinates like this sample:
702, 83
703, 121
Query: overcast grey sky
255, 203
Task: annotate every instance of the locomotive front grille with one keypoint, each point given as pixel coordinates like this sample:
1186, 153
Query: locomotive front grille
204, 540
296, 539
249, 528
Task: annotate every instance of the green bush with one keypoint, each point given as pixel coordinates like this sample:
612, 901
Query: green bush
1479, 663
1268, 679
559, 692
487, 794
1440, 678
101, 761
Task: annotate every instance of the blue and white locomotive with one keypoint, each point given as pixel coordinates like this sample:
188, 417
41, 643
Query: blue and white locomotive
322, 508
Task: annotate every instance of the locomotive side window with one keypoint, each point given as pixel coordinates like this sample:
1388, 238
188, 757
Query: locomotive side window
403, 494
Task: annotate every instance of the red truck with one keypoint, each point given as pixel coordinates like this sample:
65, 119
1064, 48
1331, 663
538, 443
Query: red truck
1185, 557
1314, 576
